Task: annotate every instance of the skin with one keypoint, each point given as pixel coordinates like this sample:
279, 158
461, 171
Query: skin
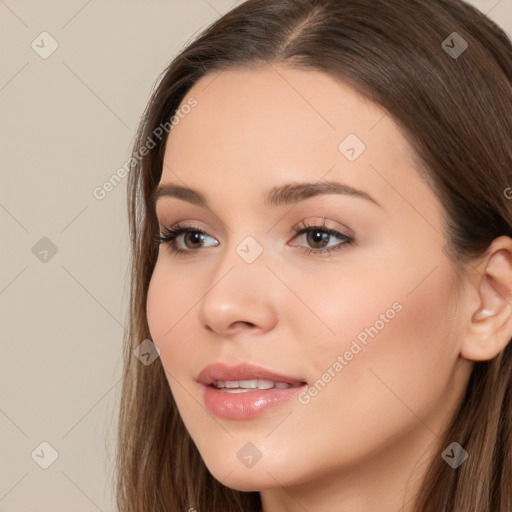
364, 441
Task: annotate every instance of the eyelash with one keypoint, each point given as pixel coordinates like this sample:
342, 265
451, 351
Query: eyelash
169, 235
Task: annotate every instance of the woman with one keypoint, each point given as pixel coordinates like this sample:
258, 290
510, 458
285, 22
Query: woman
321, 232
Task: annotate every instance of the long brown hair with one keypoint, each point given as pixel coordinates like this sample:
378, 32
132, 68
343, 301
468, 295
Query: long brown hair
455, 109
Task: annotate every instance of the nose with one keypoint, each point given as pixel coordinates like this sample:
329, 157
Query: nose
239, 298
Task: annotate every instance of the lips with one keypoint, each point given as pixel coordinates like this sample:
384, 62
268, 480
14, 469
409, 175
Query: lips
220, 372
245, 391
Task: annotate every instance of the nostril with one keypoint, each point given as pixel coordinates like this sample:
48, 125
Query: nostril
241, 324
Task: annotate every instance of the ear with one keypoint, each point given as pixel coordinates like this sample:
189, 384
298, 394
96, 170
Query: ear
490, 327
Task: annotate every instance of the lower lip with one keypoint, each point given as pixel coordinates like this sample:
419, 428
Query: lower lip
240, 406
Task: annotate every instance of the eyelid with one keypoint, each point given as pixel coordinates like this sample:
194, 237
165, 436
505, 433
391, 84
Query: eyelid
316, 222
319, 222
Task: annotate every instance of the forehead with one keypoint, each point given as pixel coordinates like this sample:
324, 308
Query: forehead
278, 105
258, 127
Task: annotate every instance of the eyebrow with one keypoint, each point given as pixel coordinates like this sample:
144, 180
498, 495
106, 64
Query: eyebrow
289, 193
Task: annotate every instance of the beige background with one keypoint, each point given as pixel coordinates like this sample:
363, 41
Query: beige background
67, 123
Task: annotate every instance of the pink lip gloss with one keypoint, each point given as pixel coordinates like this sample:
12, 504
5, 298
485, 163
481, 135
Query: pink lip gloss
246, 404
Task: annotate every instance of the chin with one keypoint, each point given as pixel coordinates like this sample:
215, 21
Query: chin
235, 476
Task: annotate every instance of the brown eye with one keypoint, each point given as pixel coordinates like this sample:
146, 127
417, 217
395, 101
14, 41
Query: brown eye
194, 237
189, 238
317, 238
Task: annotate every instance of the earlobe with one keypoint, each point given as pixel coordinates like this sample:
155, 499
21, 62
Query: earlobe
490, 326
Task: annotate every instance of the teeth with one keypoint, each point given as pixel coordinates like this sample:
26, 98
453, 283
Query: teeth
265, 384
241, 386
248, 384
235, 390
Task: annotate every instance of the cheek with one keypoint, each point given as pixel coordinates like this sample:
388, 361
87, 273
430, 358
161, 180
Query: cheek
158, 304
168, 304
396, 302
392, 356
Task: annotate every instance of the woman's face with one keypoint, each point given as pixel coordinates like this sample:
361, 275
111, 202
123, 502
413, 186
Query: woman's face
365, 315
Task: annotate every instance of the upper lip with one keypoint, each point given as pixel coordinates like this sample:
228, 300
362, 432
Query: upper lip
244, 371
